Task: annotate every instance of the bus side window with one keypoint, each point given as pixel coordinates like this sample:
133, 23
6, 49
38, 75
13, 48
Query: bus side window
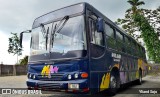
97, 37
119, 38
128, 45
139, 51
110, 39
143, 53
135, 50
132, 48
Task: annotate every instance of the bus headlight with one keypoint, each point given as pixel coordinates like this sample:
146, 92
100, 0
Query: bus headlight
75, 75
30, 75
34, 76
73, 86
69, 77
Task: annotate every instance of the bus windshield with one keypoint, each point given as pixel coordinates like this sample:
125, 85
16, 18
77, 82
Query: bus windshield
70, 38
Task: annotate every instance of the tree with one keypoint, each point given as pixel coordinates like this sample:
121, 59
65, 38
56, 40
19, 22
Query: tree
128, 24
135, 4
14, 45
137, 20
153, 17
24, 61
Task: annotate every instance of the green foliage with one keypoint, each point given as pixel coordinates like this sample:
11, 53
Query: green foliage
14, 45
24, 61
144, 21
135, 4
128, 24
149, 37
153, 17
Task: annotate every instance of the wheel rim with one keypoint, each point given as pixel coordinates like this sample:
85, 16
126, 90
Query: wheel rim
113, 82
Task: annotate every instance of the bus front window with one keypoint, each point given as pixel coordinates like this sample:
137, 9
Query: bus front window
69, 41
70, 37
38, 41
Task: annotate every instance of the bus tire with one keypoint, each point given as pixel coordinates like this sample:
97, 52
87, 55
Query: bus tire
114, 84
139, 81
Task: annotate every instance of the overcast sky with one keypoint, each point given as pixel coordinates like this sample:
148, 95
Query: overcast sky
18, 15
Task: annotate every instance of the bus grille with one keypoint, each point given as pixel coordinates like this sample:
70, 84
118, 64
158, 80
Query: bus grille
49, 85
54, 77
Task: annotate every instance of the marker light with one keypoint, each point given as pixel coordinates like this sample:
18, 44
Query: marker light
75, 75
69, 76
84, 75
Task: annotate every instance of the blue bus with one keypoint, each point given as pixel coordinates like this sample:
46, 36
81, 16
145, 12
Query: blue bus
78, 49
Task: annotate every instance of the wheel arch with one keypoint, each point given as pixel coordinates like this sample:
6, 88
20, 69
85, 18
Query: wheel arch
115, 71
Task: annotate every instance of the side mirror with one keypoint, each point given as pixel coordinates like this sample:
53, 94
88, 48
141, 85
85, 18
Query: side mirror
100, 25
21, 36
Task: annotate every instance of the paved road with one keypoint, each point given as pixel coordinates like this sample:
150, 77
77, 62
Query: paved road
149, 82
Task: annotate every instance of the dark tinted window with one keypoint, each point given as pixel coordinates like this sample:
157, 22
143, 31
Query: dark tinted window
119, 44
119, 36
127, 45
110, 39
109, 31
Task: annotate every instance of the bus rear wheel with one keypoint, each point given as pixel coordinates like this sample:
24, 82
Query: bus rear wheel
139, 81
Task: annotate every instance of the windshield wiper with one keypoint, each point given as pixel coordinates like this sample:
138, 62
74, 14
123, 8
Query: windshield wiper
45, 34
59, 26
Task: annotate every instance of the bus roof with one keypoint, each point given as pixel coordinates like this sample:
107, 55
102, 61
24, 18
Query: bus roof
59, 13
75, 9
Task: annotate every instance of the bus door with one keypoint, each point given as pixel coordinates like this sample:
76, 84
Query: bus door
97, 55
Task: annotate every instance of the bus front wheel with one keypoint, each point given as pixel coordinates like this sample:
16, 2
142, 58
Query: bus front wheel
114, 84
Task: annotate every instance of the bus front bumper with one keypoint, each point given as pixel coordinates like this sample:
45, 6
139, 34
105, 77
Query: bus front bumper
79, 85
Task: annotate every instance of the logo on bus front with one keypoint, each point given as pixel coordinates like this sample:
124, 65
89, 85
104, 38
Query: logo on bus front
48, 70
